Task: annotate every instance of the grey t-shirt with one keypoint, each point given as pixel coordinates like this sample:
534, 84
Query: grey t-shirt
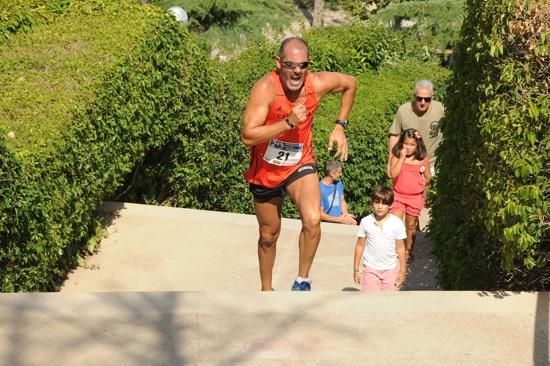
427, 124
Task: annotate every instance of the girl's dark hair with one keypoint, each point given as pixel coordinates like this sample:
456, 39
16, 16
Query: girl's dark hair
382, 194
421, 151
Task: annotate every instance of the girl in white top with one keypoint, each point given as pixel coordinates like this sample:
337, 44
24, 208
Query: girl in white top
375, 266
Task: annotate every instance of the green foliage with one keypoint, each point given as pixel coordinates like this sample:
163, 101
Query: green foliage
378, 97
40, 72
114, 106
437, 22
226, 25
22, 15
490, 213
204, 166
351, 48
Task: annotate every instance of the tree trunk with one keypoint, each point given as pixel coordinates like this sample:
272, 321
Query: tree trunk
318, 13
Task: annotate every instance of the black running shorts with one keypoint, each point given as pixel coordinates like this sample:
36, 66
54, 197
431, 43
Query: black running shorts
263, 194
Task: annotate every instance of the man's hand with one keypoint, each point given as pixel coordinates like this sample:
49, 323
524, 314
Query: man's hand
298, 114
338, 136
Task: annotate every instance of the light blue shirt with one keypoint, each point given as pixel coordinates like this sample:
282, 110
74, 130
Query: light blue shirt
332, 194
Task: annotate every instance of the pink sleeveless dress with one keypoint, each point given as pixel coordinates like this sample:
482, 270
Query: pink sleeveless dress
408, 188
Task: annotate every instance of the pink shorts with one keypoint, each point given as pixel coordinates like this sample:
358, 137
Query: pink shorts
411, 205
377, 280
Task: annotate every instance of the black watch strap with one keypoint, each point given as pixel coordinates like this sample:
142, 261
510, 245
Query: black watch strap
342, 122
289, 122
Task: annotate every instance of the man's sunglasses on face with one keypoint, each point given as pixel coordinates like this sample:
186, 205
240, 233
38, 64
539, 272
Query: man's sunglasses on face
292, 65
426, 99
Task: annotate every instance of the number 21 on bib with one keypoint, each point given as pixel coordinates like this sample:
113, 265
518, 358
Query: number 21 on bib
283, 153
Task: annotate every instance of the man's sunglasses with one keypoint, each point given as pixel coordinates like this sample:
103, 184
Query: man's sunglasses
292, 65
427, 99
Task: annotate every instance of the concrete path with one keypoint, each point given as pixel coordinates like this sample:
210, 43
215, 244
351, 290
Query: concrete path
152, 248
180, 287
172, 249
275, 328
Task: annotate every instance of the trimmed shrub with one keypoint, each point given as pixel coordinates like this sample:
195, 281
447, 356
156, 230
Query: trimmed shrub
87, 95
352, 49
378, 97
204, 167
490, 213
22, 15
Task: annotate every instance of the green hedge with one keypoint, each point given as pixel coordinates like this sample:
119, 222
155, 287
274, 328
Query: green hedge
352, 48
378, 97
87, 95
204, 166
490, 222
437, 22
22, 15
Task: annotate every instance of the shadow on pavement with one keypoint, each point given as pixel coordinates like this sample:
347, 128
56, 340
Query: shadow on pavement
422, 267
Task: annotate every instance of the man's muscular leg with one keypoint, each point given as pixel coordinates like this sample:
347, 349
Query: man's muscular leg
269, 223
307, 197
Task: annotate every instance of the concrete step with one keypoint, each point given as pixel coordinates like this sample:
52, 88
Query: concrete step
278, 328
151, 248
180, 287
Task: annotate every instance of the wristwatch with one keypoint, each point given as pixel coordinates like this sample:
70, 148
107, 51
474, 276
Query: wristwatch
289, 122
342, 122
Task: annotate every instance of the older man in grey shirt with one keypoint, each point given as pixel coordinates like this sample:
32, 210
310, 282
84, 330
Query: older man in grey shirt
421, 113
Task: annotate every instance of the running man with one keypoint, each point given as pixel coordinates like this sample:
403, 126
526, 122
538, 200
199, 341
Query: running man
277, 127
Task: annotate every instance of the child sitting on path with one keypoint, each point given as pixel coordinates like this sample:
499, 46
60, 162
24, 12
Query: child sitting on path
334, 207
383, 234
410, 171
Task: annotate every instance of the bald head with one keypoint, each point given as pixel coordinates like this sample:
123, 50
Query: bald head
295, 42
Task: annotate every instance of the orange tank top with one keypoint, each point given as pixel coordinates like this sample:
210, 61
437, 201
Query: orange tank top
274, 161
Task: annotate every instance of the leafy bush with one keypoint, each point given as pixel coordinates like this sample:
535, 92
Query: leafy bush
436, 22
87, 95
226, 25
204, 167
490, 212
351, 48
18, 15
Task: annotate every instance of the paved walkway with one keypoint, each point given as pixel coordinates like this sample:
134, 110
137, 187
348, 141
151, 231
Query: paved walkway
152, 248
180, 287
229, 328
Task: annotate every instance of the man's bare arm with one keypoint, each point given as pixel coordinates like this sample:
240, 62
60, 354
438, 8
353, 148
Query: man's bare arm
335, 82
254, 130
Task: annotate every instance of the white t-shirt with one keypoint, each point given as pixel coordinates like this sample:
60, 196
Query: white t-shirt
379, 250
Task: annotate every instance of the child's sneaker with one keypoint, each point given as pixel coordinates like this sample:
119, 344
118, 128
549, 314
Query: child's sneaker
301, 286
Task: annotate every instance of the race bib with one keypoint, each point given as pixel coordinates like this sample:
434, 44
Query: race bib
283, 153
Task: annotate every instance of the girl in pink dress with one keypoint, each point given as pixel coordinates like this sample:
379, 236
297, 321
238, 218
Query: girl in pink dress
410, 171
